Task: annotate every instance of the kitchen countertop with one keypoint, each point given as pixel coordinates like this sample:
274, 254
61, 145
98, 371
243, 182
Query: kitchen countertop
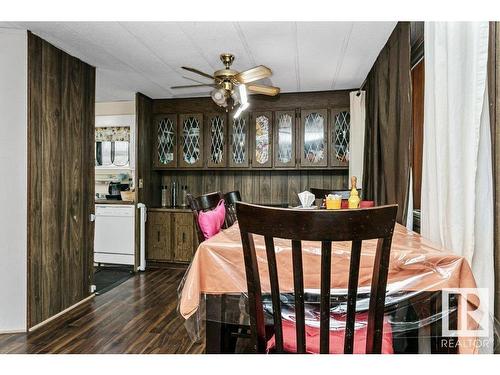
113, 201
170, 209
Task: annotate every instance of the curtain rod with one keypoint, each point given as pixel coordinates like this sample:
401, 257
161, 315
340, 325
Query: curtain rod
361, 87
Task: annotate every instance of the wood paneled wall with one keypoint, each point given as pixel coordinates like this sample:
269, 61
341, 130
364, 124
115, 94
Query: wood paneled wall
61, 100
261, 187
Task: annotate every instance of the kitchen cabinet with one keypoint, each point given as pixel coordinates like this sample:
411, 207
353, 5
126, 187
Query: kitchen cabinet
262, 139
158, 228
191, 141
313, 138
170, 235
216, 140
165, 145
284, 139
340, 121
238, 138
183, 237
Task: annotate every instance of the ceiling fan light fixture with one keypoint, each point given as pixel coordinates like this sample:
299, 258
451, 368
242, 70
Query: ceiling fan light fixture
242, 89
219, 97
240, 109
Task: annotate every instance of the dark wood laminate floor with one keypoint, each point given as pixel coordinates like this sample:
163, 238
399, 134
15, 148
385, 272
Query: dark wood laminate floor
138, 316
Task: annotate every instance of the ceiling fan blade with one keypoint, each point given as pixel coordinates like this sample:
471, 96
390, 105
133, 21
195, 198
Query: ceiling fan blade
264, 90
188, 86
254, 74
197, 72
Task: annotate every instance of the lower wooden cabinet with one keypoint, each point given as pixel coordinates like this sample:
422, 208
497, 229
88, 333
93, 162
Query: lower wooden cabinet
170, 235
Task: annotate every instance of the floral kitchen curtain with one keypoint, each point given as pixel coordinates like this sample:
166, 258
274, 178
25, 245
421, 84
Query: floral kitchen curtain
112, 134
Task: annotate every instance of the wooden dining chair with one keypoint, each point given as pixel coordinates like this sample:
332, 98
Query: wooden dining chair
322, 193
204, 202
354, 225
231, 198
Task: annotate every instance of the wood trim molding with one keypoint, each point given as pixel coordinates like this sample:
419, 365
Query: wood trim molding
60, 314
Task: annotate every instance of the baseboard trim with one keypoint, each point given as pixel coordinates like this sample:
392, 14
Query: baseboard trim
58, 315
11, 331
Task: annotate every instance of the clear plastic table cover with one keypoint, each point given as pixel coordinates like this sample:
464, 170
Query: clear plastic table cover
427, 287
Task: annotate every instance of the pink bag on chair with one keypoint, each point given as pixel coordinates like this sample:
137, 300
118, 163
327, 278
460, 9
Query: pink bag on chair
211, 222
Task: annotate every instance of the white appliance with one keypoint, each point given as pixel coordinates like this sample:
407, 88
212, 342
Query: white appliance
114, 240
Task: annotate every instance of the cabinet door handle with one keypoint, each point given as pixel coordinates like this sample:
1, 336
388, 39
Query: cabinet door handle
158, 234
183, 237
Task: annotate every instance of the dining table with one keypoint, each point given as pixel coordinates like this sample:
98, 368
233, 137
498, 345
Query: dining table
213, 300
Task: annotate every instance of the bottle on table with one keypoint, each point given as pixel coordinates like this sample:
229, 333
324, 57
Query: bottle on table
354, 196
173, 198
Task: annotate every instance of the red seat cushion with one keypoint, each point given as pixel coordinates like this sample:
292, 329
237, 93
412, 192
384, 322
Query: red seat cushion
336, 337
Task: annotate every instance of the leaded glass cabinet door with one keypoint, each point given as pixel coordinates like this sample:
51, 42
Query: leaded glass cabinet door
313, 138
238, 141
166, 141
284, 139
262, 140
191, 141
339, 137
216, 140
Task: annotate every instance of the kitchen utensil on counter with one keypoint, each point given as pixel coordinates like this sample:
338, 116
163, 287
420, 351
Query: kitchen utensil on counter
164, 195
173, 195
127, 195
114, 188
184, 193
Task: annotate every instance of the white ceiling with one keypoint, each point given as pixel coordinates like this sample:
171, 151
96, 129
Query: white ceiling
147, 56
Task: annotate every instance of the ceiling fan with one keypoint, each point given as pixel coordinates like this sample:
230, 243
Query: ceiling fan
231, 84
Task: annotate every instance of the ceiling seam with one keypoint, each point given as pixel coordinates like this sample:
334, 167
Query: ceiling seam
149, 49
246, 47
113, 56
343, 49
297, 61
196, 46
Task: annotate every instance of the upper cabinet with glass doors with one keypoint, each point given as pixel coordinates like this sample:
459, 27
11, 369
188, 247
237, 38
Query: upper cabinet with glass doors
191, 141
165, 136
238, 141
340, 122
216, 140
284, 139
262, 139
313, 143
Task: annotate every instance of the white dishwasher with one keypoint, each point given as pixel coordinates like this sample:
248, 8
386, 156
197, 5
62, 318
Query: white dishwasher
114, 240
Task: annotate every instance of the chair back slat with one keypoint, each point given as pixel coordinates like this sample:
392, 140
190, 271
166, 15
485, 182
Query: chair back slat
352, 292
298, 288
377, 296
231, 198
324, 327
324, 226
275, 293
258, 329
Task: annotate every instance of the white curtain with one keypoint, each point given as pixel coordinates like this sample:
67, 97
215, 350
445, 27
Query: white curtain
357, 136
457, 185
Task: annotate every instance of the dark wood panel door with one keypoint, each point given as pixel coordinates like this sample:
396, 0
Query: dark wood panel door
313, 138
216, 140
61, 180
165, 152
262, 139
184, 237
239, 141
191, 141
158, 236
284, 139
340, 123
